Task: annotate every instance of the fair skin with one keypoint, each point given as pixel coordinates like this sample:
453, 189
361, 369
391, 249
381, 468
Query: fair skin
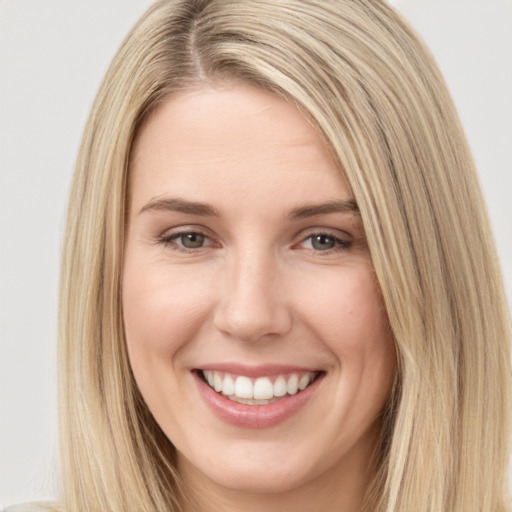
245, 257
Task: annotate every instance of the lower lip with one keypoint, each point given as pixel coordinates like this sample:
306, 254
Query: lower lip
255, 416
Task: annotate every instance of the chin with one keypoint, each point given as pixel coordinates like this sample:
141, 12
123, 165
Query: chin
256, 478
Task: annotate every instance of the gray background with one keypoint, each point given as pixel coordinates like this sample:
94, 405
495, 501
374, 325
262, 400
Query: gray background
53, 54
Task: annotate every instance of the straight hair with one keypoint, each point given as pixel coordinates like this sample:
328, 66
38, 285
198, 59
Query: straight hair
357, 71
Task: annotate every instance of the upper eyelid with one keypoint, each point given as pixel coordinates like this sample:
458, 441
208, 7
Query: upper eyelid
334, 232
180, 230
339, 240
168, 236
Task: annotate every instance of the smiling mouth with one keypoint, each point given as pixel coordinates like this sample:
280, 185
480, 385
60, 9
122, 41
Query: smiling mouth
257, 391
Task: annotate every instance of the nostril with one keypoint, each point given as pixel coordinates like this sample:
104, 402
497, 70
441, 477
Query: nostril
253, 322
251, 299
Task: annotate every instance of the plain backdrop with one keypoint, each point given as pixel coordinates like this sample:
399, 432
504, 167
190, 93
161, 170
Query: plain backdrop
53, 54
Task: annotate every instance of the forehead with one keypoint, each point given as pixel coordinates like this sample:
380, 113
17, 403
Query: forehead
237, 139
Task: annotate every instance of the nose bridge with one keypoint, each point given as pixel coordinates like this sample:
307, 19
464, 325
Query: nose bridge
252, 304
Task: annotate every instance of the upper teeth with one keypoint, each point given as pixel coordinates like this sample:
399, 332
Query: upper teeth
262, 388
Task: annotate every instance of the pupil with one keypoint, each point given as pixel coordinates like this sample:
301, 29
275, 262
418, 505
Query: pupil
323, 242
192, 240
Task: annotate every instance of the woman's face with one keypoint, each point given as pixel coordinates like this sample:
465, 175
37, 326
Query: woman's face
246, 267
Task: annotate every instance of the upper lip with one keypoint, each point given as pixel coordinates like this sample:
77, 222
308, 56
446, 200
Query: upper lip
255, 371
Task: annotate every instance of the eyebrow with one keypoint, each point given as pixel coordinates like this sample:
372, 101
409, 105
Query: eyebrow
303, 212
206, 210
180, 205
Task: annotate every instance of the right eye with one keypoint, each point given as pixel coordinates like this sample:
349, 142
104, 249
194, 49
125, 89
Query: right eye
190, 240
185, 240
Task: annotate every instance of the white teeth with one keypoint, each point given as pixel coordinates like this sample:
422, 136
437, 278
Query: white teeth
229, 386
303, 382
209, 377
217, 382
292, 385
280, 386
261, 388
243, 387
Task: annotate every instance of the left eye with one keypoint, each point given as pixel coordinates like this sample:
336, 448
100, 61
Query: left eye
324, 242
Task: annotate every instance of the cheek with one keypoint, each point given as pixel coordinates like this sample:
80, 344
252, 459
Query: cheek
347, 310
163, 308
347, 314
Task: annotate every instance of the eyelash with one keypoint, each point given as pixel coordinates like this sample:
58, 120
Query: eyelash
340, 244
169, 240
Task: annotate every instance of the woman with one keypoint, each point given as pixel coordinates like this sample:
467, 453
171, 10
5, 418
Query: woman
274, 192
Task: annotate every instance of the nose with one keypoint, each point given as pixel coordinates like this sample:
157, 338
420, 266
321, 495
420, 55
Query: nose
252, 305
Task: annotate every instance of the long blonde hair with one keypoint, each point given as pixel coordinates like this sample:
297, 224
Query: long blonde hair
359, 72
